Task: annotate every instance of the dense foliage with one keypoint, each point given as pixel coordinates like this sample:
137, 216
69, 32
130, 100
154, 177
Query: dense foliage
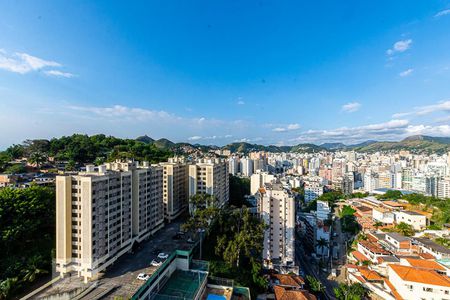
233, 241
239, 188
27, 226
81, 149
353, 291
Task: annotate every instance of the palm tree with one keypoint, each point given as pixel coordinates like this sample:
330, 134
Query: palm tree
315, 284
322, 243
33, 268
404, 229
37, 158
7, 287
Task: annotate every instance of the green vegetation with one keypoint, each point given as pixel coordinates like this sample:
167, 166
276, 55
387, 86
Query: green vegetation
354, 291
443, 241
27, 226
233, 241
416, 144
239, 187
81, 149
391, 195
402, 228
315, 285
348, 220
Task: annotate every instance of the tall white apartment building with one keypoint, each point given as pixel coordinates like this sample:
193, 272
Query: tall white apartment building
246, 166
175, 188
210, 176
258, 180
313, 190
233, 165
277, 208
101, 212
444, 188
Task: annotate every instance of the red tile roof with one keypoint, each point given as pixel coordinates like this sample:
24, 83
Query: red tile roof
420, 275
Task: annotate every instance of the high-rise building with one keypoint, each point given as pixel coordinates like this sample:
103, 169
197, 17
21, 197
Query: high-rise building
313, 189
175, 188
258, 180
101, 212
277, 208
210, 176
246, 166
233, 165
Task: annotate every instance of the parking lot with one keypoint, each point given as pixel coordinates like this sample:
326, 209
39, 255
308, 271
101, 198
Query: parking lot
120, 279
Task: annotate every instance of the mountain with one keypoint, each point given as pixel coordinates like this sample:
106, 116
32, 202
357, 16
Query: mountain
416, 143
164, 144
333, 146
145, 139
442, 140
366, 143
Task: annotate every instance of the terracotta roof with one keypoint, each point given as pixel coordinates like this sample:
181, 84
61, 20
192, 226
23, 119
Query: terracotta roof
351, 266
359, 256
369, 275
372, 247
288, 279
425, 255
420, 275
282, 293
425, 264
394, 204
393, 290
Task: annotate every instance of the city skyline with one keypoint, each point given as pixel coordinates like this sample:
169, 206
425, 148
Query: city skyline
259, 72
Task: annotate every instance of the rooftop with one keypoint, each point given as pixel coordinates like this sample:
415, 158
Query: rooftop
432, 245
420, 275
282, 293
425, 264
398, 237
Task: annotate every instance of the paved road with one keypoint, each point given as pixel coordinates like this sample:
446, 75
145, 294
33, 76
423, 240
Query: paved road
310, 269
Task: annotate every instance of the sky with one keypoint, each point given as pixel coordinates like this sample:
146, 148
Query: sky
216, 72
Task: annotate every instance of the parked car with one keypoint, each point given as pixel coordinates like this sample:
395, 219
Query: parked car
143, 277
156, 263
163, 255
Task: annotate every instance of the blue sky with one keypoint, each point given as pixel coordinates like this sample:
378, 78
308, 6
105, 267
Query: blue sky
214, 72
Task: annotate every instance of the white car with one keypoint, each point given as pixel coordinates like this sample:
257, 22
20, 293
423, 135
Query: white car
143, 276
163, 255
156, 263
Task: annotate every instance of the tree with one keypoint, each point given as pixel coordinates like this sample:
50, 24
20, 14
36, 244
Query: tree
321, 244
34, 268
391, 194
347, 210
239, 188
404, 229
15, 151
349, 292
37, 158
315, 285
8, 287
15, 169
377, 224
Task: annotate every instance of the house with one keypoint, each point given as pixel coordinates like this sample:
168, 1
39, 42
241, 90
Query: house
424, 264
416, 220
397, 243
417, 283
383, 215
430, 247
371, 250
286, 293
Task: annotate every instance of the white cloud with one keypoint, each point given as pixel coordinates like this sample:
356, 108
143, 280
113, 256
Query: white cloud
23, 63
443, 106
59, 73
442, 13
406, 72
195, 138
289, 127
351, 107
240, 102
400, 46
387, 130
